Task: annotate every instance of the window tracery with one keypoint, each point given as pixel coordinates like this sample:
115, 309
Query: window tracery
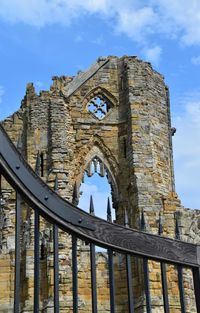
96, 166
98, 175
99, 106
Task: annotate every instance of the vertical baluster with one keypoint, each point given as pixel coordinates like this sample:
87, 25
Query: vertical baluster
17, 254
1, 201
93, 278
147, 286
56, 259
180, 270
56, 269
181, 288
93, 265
111, 266
164, 287
36, 262
111, 280
74, 274
1, 198
146, 269
163, 274
196, 279
129, 272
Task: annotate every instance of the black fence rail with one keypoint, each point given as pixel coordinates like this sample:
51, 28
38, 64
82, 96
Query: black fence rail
64, 216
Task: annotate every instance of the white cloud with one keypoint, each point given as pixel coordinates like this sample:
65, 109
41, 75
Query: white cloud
153, 55
78, 38
196, 60
98, 41
187, 149
137, 19
2, 91
184, 18
136, 23
42, 12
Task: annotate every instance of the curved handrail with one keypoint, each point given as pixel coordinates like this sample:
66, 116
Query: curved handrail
74, 220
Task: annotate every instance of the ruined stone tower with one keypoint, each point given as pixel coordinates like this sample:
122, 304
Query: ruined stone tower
116, 114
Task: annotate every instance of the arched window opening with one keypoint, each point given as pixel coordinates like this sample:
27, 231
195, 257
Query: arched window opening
99, 106
96, 183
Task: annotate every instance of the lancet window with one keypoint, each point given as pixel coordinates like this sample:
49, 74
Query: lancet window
98, 183
96, 166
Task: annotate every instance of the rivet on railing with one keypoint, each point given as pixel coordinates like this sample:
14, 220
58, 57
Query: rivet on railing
91, 208
109, 215
17, 167
46, 198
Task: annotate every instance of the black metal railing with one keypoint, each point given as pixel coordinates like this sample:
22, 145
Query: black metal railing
114, 238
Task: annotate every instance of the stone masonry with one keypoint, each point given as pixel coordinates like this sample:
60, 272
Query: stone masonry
115, 115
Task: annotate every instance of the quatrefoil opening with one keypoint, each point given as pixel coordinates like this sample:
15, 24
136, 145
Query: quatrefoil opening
99, 106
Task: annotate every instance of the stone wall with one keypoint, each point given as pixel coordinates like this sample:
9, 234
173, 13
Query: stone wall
115, 114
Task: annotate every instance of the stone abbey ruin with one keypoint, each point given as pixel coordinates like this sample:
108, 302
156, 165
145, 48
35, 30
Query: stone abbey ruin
115, 117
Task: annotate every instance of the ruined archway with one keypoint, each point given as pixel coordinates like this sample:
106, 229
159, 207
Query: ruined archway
96, 162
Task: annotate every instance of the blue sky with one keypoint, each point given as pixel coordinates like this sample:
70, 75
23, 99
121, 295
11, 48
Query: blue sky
43, 38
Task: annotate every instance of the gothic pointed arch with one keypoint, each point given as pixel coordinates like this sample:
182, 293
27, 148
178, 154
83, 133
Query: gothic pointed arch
98, 159
99, 102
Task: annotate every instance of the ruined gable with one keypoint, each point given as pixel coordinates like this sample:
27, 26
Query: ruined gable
115, 114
